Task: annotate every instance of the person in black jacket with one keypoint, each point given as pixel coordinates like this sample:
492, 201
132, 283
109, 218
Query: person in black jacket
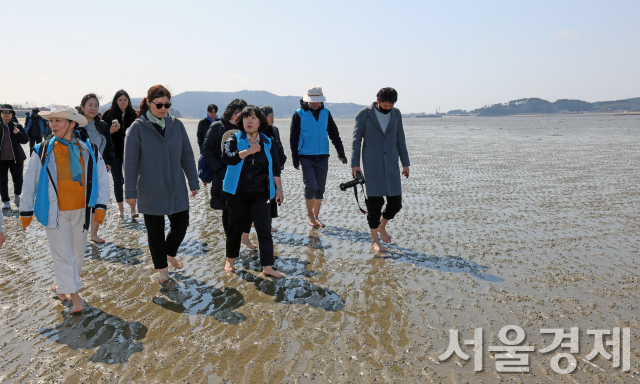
204, 124
99, 134
251, 180
12, 156
124, 115
212, 152
272, 132
36, 128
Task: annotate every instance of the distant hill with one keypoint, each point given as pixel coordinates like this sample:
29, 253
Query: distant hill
194, 104
536, 105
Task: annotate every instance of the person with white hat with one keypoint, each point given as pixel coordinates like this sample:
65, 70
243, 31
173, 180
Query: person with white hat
311, 128
65, 180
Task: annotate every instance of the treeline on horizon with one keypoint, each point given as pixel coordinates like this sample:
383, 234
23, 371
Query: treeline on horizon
536, 105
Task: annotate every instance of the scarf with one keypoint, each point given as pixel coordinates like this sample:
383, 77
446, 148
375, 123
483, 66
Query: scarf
210, 119
41, 208
155, 120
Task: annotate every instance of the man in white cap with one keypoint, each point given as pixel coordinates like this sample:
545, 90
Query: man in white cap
311, 128
65, 180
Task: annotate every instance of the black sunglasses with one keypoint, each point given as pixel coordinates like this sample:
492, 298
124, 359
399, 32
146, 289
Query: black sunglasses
6, 112
160, 105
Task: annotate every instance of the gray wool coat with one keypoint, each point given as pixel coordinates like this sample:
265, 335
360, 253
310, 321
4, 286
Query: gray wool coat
155, 167
380, 152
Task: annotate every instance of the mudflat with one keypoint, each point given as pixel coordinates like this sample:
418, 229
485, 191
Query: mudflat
525, 221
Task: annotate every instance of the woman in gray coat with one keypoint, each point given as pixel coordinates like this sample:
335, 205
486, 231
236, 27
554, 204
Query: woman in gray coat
380, 127
157, 156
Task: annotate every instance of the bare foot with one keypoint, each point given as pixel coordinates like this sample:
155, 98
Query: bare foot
384, 235
96, 239
164, 275
270, 272
134, 213
228, 265
175, 262
274, 230
61, 297
312, 222
320, 223
120, 214
77, 303
246, 241
377, 247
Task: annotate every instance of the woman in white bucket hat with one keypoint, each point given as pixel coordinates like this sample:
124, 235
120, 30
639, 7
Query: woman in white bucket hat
62, 197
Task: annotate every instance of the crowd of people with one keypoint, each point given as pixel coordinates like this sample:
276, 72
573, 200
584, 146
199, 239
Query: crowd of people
152, 164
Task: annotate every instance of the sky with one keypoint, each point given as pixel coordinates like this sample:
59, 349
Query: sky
452, 55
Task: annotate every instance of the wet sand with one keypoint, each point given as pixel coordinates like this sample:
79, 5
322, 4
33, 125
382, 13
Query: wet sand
528, 221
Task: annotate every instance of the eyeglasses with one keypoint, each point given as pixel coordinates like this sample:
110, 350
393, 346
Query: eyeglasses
160, 105
6, 112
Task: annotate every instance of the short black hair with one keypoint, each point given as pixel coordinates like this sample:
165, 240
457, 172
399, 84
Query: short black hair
253, 110
266, 109
234, 106
211, 107
388, 94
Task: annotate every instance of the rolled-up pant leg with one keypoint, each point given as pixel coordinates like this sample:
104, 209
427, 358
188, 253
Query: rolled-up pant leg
309, 179
321, 168
374, 210
67, 244
179, 223
394, 205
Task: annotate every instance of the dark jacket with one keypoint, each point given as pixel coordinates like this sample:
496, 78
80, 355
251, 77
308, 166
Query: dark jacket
32, 126
332, 130
203, 127
254, 176
274, 134
118, 137
380, 151
109, 151
17, 139
211, 150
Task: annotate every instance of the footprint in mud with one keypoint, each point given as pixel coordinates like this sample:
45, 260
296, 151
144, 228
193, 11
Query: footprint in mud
184, 294
193, 248
295, 291
296, 240
291, 267
113, 253
117, 339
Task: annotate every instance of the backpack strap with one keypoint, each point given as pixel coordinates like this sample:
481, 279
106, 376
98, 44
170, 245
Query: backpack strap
42, 150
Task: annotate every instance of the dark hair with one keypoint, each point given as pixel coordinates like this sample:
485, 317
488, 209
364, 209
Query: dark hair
84, 100
234, 106
266, 110
153, 93
388, 95
211, 107
114, 110
253, 110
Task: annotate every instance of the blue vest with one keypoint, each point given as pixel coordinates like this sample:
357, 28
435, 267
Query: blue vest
314, 139
40, 124
232, 177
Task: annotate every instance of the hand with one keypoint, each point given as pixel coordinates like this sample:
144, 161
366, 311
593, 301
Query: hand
108, 167
405, 172
255, 147
296, 166
194, 192
279, 197
16, 130
1, 239
354, 171
132, 203
343, 160
205, 184
114, 128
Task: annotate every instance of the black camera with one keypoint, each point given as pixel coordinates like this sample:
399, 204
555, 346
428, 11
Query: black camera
352, 183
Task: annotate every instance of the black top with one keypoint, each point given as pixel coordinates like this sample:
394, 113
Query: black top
254, 176
274, 134
332, 130
17, 139
203, 127
118, 136
109, 152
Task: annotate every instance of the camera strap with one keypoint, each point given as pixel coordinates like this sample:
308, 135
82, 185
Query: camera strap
355, 192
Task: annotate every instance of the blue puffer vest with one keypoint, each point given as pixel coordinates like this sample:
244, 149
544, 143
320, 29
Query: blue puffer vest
232, 177
314, 139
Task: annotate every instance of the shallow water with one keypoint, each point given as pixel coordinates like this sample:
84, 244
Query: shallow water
527, 221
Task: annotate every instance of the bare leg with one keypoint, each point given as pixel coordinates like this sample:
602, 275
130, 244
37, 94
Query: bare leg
247, 241
377, 246
312, 217
120, 210
94, 233
61, 297
316, 209
164, 275
382, 228
175, 262
77, 303
270, 272
228, 265
134, 213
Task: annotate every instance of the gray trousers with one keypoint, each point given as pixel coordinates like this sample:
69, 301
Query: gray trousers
314, 176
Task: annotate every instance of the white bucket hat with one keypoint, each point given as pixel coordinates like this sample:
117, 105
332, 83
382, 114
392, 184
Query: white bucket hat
314, 95
65, 112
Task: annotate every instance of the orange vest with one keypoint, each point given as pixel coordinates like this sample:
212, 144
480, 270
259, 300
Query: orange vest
70, 193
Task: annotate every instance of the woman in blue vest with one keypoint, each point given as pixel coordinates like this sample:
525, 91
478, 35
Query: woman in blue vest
252, 179
311, 128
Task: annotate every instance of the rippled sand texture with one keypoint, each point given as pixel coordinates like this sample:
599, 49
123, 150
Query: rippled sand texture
530, 221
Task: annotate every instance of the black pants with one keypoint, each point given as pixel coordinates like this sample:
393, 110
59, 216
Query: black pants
118, 179
32, 143
225, 222
15, 167
374, 206
159, 246
246, 206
